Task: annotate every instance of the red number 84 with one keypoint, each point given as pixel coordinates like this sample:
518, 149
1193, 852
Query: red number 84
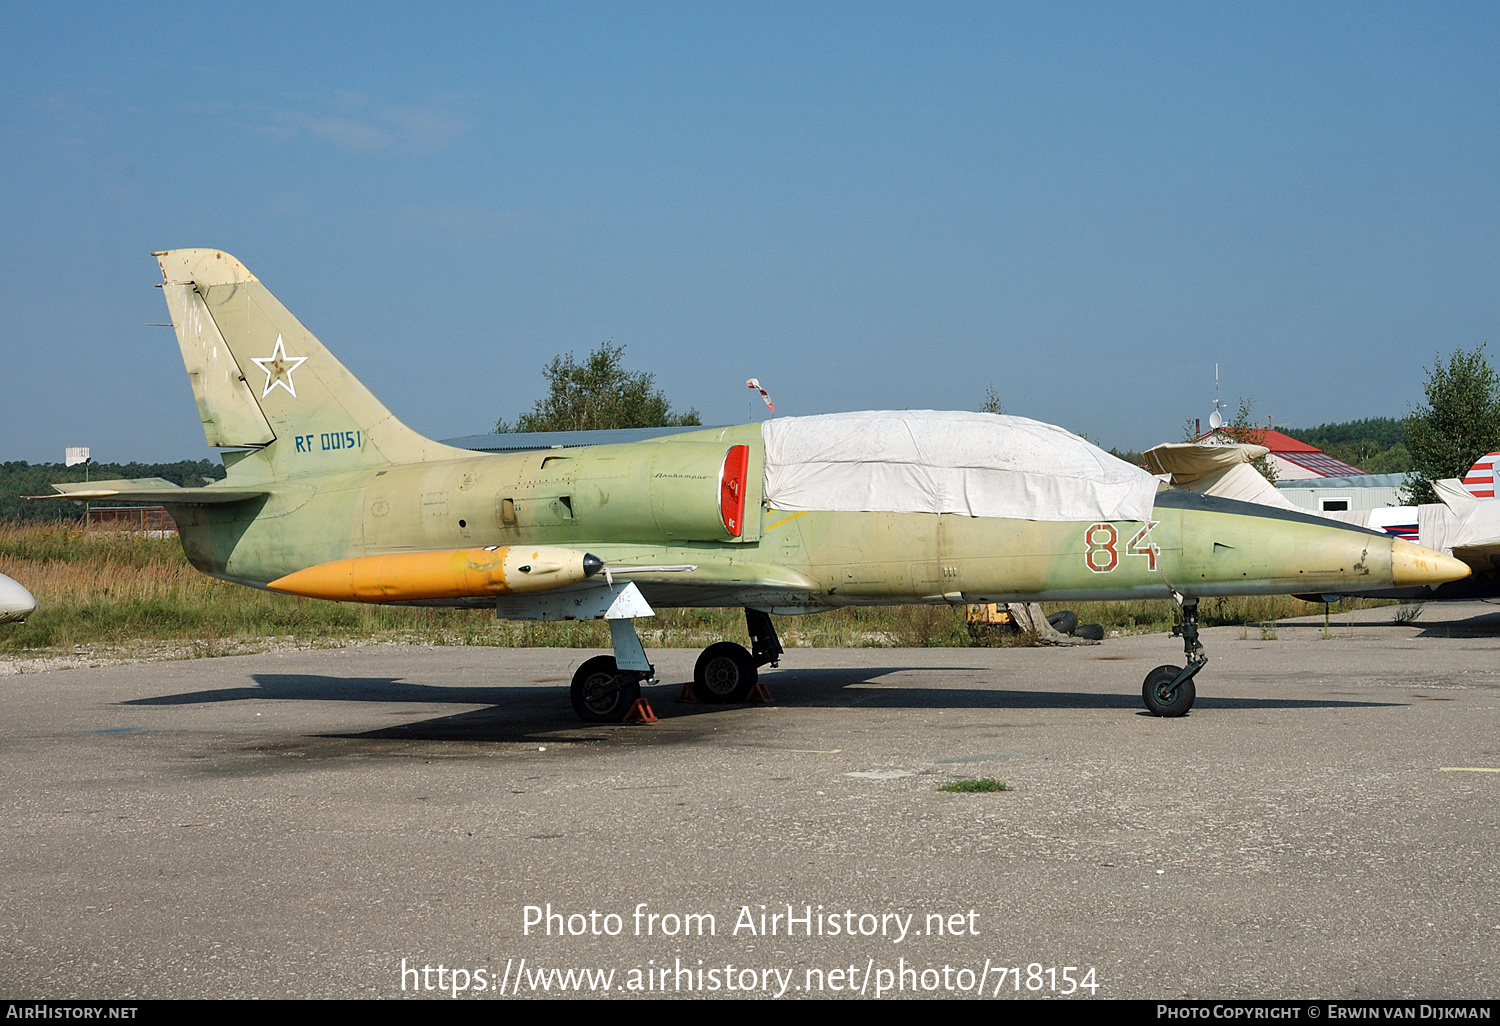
1102, 547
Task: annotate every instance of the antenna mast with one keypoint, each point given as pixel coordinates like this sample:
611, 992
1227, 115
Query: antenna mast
1216, 418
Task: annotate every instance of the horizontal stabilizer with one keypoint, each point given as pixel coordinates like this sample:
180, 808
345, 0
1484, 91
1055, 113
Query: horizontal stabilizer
151, 489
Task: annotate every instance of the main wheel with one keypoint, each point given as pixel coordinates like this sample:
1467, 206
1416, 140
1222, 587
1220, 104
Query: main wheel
600, 693
725, 673
1158, 696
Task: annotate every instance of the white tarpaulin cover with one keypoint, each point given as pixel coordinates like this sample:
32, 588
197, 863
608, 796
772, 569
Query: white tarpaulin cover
1435, 526
1186, 462
927, 461
1217, 469
1245, 483
1473, 525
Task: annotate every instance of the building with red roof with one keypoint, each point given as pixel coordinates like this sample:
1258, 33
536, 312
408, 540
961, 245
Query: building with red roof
1292, 459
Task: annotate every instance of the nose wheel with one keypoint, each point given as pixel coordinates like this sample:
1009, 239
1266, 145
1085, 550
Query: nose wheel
602, 692
1169, 690
1165, 695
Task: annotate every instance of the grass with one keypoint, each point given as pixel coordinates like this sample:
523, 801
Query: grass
97, 589
979, 786
1406, 614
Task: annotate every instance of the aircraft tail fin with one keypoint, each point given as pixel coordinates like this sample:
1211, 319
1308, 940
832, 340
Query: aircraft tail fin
262, 380
1480, 480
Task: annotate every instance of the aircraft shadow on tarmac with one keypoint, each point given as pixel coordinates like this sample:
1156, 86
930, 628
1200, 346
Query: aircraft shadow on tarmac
1485, 625
519, 713
1480, 625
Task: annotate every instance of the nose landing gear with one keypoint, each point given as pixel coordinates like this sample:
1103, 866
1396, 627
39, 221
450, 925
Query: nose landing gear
1169, 690
602, 692
606, 689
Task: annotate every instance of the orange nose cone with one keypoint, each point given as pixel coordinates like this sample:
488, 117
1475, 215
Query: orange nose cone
1412, 565
324, 581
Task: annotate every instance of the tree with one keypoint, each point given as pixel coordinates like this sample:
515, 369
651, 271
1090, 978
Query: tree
991, 402
1459, 423
1378, 444
1395, 460
598, 394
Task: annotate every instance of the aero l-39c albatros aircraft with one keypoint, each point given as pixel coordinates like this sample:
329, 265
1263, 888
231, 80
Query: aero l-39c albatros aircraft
329, 495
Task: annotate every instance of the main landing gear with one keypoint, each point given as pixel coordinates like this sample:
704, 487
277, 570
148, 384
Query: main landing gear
607, 689
726, 673
1169, 690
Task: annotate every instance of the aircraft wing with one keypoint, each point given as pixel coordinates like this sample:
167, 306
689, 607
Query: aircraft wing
778, 589
527, 441
151, 489
707, 584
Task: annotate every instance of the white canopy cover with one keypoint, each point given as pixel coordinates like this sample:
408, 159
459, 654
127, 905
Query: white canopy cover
929, 461
1214, 468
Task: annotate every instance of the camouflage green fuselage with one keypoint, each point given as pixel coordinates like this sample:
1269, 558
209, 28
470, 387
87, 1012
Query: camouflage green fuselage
657, 503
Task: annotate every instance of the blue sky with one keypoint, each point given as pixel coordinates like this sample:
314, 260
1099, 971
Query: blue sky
864, 206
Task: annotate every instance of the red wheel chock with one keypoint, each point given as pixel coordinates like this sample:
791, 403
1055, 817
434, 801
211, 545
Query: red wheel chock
758, 694
640, 712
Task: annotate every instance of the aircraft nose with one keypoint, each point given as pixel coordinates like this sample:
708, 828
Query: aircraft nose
1411, 565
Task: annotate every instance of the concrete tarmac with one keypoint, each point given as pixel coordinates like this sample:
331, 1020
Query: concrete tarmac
1322, 825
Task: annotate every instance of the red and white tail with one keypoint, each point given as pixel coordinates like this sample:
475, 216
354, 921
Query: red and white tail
1480, 480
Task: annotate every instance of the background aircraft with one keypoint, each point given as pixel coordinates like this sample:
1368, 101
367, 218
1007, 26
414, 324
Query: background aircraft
328, 495
16, 603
